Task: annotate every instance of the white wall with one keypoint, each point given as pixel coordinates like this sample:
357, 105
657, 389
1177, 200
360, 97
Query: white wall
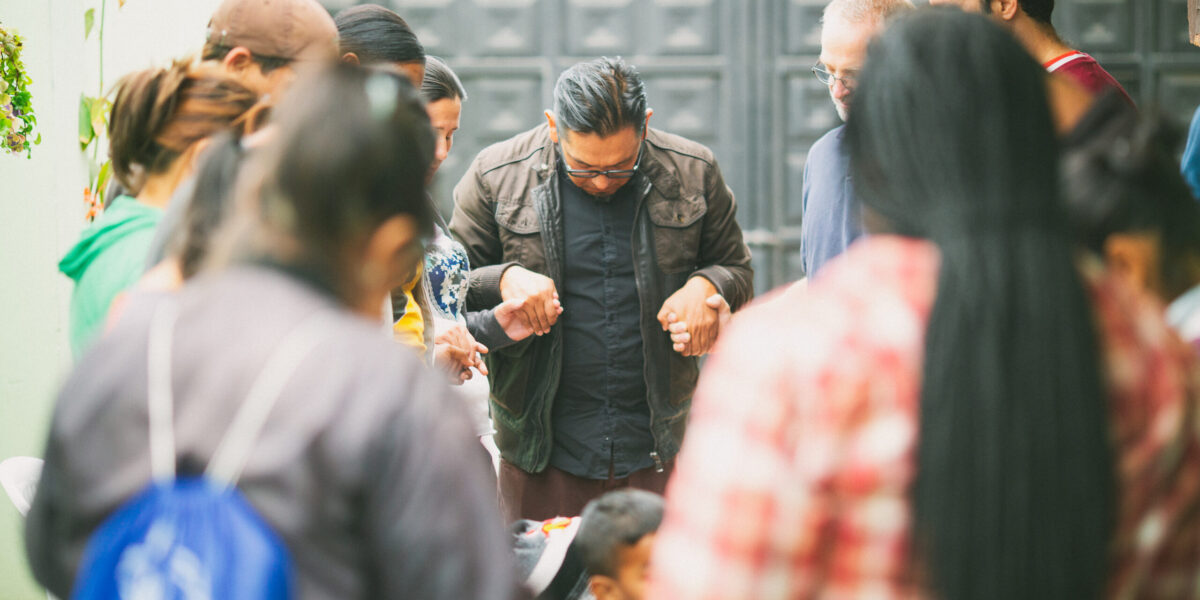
41, 206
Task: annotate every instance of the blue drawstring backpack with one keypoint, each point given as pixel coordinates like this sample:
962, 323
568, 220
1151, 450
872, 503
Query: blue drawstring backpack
195, 538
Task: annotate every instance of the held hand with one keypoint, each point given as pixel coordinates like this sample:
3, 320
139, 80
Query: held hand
541, 306
456, 352
511, 317
693, 317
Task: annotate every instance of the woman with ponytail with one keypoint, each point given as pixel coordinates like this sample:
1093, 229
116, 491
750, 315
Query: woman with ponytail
954, 409
158, 119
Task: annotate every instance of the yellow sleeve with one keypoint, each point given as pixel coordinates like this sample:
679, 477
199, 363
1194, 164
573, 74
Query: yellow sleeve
409, 329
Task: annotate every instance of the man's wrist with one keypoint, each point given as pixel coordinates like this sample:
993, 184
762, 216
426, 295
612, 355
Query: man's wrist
504, 271
702, 283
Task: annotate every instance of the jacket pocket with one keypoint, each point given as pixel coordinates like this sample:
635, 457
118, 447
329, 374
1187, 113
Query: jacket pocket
520, 234
678, 225
510, 371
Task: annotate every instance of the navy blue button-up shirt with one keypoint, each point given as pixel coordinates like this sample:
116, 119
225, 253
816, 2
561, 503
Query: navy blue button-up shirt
601, 418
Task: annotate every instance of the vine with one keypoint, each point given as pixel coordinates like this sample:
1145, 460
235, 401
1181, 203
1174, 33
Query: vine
93, 120
16, 107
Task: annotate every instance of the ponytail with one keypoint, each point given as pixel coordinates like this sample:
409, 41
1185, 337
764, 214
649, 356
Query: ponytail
159, 113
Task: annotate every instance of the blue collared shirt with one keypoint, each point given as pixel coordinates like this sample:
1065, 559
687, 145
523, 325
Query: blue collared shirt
830, 219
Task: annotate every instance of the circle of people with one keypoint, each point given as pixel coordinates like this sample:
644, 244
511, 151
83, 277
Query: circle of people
977, 391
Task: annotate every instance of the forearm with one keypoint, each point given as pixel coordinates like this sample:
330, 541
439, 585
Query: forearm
484, 290
487, 330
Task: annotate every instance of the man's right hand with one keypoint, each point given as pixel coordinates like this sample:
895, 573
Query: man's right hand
541, 306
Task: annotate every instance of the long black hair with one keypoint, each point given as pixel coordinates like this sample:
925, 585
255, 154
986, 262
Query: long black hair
951, 140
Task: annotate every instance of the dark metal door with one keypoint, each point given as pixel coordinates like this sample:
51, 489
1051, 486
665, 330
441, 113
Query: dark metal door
734, 75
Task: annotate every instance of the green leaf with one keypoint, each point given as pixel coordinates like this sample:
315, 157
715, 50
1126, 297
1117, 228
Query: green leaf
89, 19
99, 115
102, 178
86, 132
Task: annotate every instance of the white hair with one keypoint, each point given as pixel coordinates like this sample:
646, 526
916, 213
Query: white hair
864, 11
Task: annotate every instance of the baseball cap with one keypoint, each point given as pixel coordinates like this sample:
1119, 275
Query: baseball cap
290, 29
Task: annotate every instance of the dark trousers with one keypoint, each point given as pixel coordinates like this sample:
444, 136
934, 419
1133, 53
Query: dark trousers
556, 493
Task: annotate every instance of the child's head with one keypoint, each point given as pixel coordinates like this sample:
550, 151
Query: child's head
615, 540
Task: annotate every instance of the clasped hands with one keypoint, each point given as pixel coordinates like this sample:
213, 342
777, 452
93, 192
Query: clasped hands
693, 315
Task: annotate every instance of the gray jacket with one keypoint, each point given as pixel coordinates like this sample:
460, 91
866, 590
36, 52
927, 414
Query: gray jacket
366, 468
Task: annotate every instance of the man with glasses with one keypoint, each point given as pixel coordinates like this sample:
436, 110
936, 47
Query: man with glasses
623, 242
830, 220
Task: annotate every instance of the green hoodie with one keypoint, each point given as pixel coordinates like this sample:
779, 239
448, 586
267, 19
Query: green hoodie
109, 257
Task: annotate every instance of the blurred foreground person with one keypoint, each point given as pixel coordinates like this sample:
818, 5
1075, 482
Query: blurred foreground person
968, 415
1130, 205
158, 122
364, 465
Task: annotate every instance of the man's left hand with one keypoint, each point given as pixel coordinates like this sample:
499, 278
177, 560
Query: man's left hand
692, 322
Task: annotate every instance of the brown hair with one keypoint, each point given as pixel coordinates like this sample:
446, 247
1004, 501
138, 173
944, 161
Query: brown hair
160, 112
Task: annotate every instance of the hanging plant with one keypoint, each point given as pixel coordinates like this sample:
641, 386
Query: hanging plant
16, 108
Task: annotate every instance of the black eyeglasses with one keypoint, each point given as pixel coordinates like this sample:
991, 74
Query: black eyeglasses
828, 78
611, 174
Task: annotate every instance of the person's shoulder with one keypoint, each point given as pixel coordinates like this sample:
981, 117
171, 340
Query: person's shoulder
519, 149
829, 145
679, 146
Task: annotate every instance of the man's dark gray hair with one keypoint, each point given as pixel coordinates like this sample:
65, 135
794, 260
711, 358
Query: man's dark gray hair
613, 521
601, 96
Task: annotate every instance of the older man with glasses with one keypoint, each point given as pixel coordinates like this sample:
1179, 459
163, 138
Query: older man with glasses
830, 220
623, 243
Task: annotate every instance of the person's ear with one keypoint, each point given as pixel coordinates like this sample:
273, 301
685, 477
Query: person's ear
1132, 257
350, 58
649, 113
391, 252
237, 59
604, 587
1006, 9
553, 128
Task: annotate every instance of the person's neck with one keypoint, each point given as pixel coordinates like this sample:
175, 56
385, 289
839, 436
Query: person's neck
159, 187
1039, 39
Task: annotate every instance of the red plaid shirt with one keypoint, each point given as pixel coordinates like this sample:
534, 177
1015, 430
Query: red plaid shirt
794, 477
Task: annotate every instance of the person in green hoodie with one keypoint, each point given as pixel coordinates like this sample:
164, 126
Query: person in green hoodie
159, 121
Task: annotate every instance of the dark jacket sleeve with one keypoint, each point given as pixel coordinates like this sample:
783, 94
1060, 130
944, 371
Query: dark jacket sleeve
432, 516
486, 330
474, 225
724, 256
